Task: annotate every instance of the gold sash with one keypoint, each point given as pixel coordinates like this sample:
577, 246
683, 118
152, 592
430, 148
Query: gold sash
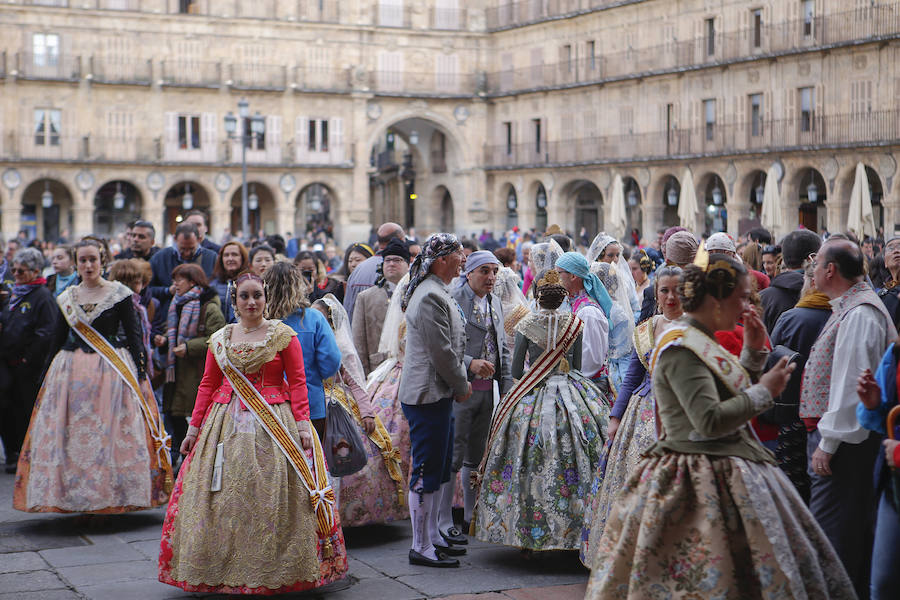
380, 437
643, 341
321, 494
99, 344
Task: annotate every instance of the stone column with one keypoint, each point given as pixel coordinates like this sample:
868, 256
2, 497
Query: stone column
737, 210
12, 211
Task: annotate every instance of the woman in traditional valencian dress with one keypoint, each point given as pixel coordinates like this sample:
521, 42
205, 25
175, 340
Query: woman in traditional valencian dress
377, 493
252, 511
632, 422
383, 382
621, 323
707, 513
95, 443
546, 438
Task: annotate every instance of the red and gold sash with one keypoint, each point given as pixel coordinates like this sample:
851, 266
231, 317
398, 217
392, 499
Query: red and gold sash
99, 344
538, 371
321, 494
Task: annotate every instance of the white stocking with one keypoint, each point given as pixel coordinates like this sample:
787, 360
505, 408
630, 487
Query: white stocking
445, 508
465, 476
421, 513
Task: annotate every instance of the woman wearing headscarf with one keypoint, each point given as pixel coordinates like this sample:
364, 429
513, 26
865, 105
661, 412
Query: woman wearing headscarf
606, 249
27, 326
591, 302
621, 323
377, 493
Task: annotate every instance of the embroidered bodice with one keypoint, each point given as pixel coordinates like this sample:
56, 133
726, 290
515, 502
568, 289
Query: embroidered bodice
249, 357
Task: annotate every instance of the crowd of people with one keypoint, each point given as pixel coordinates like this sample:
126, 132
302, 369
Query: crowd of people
696, 416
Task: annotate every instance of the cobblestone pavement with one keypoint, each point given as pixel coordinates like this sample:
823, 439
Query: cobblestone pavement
63, 557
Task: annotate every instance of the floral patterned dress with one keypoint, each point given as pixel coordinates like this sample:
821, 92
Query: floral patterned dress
707, 513
540, 464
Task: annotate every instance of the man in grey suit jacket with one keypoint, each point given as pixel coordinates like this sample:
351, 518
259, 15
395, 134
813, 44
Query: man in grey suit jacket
433, 377
487, 361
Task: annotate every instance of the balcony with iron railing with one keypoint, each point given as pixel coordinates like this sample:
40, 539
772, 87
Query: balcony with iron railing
876, 128
423, 83
118, 70
190, 73
859, 25
393, 15
252, 76
508, 15
448, 19
47, 67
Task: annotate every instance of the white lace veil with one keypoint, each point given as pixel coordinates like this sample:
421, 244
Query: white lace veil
623, 271
392, 338
611, 278
543, 257
342, 333
507, 289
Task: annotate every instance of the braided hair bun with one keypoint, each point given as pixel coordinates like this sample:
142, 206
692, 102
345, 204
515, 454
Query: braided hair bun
550, 292
718, 279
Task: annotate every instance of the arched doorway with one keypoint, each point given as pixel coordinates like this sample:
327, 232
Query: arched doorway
713, 200
812, 194
47, 211
876, 193
410, 156
512, 206
445, 204
540, 208
116, 203
670, 194
757, 190
260, 210
633, 212
314, 210
182, 197
588, 201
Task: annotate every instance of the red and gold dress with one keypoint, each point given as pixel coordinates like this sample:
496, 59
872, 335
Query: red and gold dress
240, 520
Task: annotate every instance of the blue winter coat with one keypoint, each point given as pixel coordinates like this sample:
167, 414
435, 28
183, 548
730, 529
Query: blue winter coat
321, 355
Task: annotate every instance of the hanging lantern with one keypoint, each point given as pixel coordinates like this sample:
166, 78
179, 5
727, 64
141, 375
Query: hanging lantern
760, 193
252, 199
187, 201
672, 197
631, 197
119, 198
47, 196
717, 196
812, 192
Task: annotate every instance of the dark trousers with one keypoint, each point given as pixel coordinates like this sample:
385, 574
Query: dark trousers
177, 428
431, 438
17, 406
844, 505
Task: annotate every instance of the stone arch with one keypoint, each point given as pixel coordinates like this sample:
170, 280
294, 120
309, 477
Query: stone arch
442, 206
315, 208
175, 204
877, 186
712, 200
658, 201
116, 203
584, 202
261, 210
509, 197
443, 124
751, 189
812, 214
47, 222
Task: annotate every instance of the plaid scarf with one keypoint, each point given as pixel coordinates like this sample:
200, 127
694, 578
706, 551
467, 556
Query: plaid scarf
145, 331
20, 290
184, 328
436, 246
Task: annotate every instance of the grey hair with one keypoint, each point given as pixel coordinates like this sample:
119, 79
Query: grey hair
30, 258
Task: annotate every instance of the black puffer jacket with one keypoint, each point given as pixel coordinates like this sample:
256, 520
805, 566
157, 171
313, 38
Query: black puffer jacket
781, 295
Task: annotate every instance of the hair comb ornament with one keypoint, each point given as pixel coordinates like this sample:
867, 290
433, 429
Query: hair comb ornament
701, 259
550, 278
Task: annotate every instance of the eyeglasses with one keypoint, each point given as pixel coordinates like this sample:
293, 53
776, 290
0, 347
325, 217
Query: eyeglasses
19, 271
394, 259
772, 250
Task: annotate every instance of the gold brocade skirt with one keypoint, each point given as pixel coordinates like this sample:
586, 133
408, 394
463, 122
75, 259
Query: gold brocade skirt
257, 535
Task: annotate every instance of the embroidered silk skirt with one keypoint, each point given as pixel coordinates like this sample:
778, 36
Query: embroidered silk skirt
697, 526
541, 464
257, 534
88, 447
370, 495
636, 433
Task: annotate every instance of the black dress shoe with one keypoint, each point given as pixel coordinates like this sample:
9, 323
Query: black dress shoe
454, 536
443, 561
450, 550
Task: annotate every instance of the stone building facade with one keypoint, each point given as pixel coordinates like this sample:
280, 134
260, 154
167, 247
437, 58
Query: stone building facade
444, 114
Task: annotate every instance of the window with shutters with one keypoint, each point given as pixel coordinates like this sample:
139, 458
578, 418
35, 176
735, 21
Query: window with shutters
253, 141
808, 8
47, 126
390, 13
566, 57
756, 25
447, 72
120, 134
710, 28
807, 108
626, 121
319, 140
45, 49
589, 122
390, 70
446, 14
536, 125
756, 114
591, 55
860, 97
506, 71
188, 7
188, 132
537, 66
709, 116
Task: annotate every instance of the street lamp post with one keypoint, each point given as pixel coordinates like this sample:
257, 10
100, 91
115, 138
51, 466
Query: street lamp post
257, 128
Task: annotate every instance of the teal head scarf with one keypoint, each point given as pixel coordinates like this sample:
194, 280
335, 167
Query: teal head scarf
577, 265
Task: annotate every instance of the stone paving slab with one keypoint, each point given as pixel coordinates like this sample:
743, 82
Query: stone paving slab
136, 590
442, 582
149, 548
561, 592
84, 575
21, 561
37, 533
41, 595
110, 552
31, 581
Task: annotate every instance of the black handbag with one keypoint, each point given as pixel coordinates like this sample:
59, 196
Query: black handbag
787, 405
345, 452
